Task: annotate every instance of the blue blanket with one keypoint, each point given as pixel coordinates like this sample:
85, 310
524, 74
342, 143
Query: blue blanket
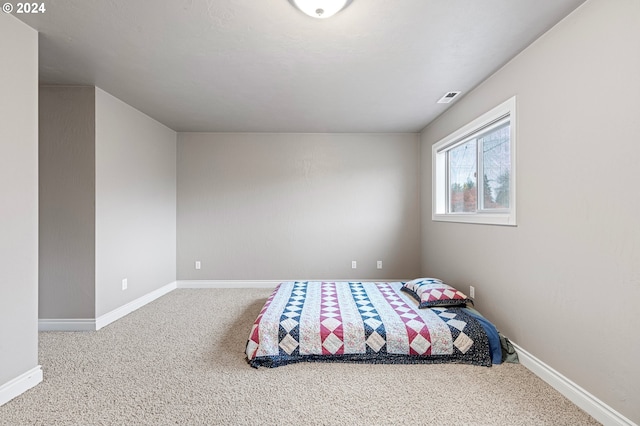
492, 334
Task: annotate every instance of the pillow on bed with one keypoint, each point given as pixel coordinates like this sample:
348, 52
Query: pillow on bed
430, 292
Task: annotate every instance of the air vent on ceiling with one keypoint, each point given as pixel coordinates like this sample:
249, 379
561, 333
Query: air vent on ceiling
448, 97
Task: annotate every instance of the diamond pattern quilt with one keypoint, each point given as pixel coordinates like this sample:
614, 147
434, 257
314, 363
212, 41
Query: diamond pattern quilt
361, 322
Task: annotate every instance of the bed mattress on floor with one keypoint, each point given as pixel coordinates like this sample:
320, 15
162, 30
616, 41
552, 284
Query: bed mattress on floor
368, 322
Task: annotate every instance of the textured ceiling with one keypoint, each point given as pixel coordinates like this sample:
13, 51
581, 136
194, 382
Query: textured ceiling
263, 66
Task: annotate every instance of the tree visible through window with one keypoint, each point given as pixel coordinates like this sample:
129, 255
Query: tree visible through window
462, 178
496, 167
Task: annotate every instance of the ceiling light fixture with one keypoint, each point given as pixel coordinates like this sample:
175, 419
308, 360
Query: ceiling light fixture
321, 9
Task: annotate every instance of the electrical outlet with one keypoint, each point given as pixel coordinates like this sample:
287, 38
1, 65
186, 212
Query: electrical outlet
198, 264
354, 264
379, 264
472, 291
125, 283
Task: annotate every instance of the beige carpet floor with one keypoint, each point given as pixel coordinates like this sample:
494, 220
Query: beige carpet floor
180, 361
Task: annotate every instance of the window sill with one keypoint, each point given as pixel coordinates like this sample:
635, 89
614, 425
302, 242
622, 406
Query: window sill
477, 218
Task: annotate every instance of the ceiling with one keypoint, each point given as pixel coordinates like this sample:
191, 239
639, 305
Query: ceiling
263, 66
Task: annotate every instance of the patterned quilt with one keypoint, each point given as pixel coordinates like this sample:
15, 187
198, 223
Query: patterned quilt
361, 322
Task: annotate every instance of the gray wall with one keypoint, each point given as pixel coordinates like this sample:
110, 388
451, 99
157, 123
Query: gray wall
135, 203
292, 206
108, 210
564, 283
67, 202
19, 195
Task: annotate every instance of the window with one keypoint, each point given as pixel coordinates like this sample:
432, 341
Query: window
474, 170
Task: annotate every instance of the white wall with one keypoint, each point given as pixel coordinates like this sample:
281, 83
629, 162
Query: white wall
135, 203
293, 206
67, 202
19, 205
564, 283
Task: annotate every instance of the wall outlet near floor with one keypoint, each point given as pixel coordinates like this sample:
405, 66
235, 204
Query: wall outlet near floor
379, 264
198, 264
125, 283
354, 264
472, 291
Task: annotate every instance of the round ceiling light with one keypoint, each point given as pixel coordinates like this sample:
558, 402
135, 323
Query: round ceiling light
321, 9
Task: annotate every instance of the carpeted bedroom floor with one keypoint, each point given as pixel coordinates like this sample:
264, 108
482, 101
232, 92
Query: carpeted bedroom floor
180, 361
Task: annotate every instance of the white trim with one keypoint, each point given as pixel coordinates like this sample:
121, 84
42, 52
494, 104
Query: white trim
576, 394
481, 218
66, 324
116, 314
193, 284
90, 324
20, 384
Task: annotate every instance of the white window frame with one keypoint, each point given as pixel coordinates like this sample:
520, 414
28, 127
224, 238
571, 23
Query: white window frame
440, 169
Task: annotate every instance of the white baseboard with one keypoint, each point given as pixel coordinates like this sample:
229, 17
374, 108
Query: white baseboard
20, 384
257, 283
227, 284
90, 324
116, 314
67, 324
576, 394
